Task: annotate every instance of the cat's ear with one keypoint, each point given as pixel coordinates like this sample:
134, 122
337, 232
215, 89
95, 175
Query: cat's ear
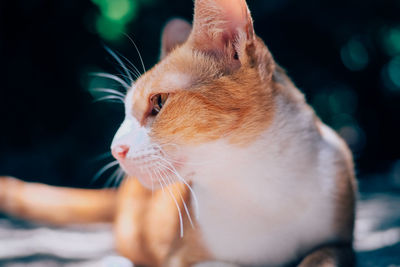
175, 33
220, 24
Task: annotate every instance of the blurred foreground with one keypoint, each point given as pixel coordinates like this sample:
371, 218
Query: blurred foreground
377, 236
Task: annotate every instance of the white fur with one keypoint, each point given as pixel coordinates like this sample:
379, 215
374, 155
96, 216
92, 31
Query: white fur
141, 159
131, 133
176, 80
272, 201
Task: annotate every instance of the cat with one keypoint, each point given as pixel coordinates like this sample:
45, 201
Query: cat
227, 165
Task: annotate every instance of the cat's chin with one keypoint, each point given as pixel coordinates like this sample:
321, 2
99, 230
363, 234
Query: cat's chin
148, 183
148, 179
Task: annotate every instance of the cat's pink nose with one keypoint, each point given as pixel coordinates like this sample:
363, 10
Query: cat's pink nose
120, 152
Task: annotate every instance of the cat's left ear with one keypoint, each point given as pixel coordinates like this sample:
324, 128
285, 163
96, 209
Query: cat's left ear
175, 33
220, 26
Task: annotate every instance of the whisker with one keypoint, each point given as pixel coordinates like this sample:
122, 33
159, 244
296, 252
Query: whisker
120, 176
159, 177
110, 91
159, 147
111, 77
110, 97
137, 50
176, 204
135, 70
170, 179
173, 170
122, 65
150, 171
104, 169
111, 180
193, 163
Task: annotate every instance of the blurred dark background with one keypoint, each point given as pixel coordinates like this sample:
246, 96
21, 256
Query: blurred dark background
344, 55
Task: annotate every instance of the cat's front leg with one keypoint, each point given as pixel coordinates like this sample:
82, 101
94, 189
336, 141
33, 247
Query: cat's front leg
330, 256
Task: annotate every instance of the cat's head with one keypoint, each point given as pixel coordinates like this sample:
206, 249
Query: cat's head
213, 83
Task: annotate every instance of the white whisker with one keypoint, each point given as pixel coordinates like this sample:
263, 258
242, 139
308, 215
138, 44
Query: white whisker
156, 171
176, 204
110, 97
137, 50
122, 65
170, 180
118, 178
192, 163
173, 170
110, 91
135, 70
152, 181
167, 157
111, 180
103, 170
111, 77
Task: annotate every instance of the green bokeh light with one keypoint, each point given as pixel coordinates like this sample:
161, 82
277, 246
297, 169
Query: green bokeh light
108, 29
391, 41
343, 101
336, 106
393, 70
354, 55
319, 102
114, 16
118, 10
341, 120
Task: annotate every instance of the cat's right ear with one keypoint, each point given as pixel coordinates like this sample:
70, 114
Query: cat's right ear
175, 33
222, 24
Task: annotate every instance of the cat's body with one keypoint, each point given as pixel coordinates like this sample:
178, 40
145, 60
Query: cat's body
282, 218
262, 181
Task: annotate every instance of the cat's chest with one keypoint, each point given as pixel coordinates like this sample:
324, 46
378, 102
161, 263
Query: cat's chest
260, 224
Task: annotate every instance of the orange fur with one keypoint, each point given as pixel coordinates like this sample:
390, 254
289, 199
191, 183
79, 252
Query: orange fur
242, 106
56, 205
146, 224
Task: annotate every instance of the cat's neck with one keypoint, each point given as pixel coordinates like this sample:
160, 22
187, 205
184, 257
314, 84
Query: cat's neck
292, 131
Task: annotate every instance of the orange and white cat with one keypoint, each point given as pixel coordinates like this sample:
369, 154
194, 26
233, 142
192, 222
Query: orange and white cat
227, 165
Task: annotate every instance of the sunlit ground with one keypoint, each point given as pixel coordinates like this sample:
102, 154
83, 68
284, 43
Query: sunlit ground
377, 236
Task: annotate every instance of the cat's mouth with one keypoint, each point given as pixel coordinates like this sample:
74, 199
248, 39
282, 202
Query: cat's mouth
143, 159
153, 171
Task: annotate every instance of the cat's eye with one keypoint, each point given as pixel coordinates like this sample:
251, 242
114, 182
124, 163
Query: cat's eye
158, 102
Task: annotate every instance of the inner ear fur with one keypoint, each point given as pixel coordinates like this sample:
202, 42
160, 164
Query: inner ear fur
175, 33
219, 24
